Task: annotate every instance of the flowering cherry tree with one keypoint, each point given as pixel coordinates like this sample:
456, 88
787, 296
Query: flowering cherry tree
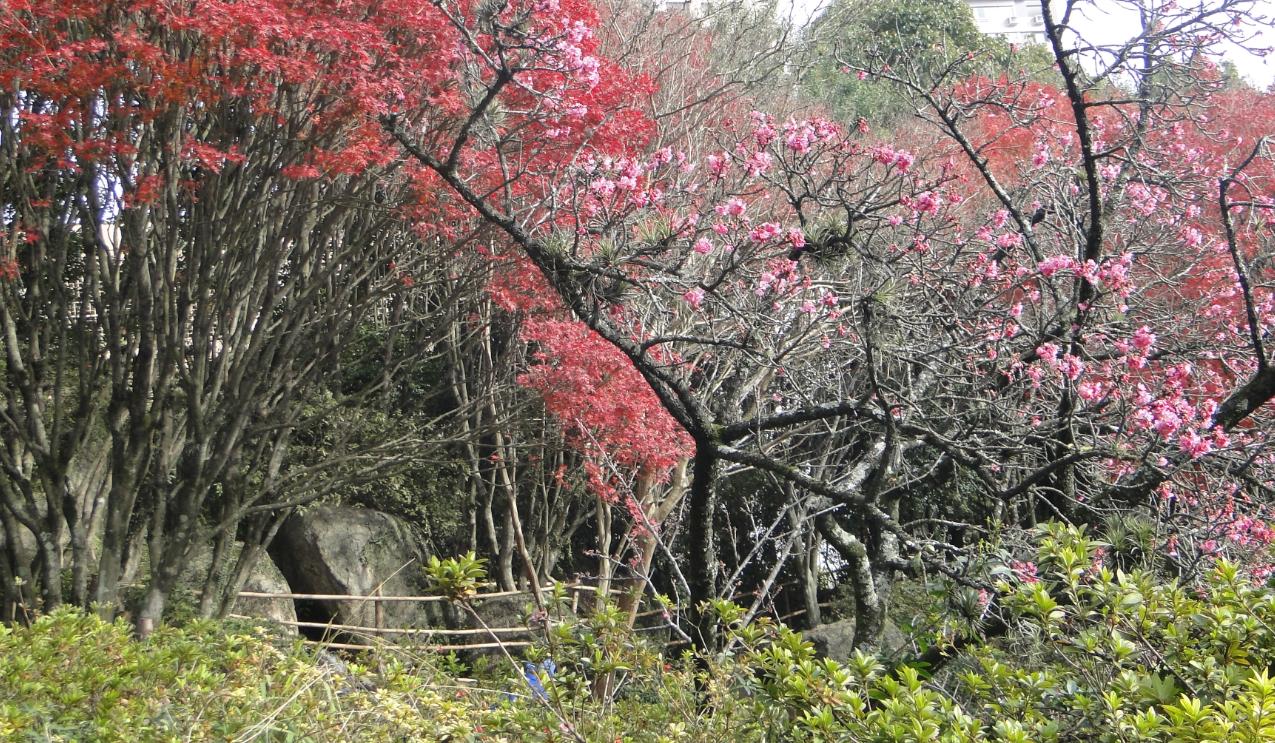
1050, 298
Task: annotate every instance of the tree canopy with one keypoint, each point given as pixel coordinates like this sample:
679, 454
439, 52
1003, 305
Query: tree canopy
919, 38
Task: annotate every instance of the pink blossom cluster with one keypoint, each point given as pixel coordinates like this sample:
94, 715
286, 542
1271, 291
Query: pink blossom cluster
1041, 155
1025, 571
825, 301
757, 164
1136, 348
886, 155
571, 58
765, 232
1233, 527
628, 170
780, 276
926, 202
763, 129
625, 181
800, 136
1163, 416
985, 267
1247, 531
1055, 263
1091, 385
1066, 364
1092, 390
1111, 273
996, 330
568, 110
1096, 563
603, 188
1145, 200
718, 163
1007, 240
1171, 414
663, 156
734, 207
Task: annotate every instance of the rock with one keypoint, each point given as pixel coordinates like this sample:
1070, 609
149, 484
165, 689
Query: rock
264, 578
836, 639
892, 639
501, 612
347, 681
351, 551
832, 640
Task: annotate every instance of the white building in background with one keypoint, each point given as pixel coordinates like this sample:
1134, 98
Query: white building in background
1017, 21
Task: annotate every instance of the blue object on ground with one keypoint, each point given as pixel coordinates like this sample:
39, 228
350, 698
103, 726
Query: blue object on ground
529, 670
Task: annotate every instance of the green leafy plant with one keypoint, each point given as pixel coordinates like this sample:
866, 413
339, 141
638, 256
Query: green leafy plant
457, 578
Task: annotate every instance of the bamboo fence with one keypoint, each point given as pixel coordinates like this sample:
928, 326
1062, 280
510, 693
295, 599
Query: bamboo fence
379, 631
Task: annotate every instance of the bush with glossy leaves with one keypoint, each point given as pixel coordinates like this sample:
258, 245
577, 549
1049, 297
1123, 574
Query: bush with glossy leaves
1089, 651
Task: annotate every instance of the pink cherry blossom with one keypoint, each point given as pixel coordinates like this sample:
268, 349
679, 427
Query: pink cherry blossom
926, 203
1054, 264
1143, 338
602, 188
1071, 366
757, 164
764, 232
718, 164
734, 207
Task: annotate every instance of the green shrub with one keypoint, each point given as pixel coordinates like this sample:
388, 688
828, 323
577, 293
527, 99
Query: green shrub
1089, 652
74, 677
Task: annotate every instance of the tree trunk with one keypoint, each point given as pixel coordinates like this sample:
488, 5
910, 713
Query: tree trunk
602, 533
150, 612
210, 592
631, 599
505, 558
809, 567
702, 575
15, 566
253, 549
120, 501
79, 533
49, 554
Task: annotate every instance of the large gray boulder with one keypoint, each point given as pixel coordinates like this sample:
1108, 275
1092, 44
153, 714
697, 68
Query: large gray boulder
350, 551
266, 578
835, 640
263, 578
